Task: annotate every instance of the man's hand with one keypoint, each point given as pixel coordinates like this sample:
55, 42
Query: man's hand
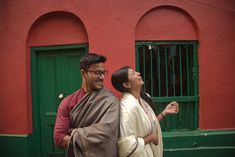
65, 141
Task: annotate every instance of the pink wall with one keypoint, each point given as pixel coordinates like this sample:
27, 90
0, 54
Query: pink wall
111, 27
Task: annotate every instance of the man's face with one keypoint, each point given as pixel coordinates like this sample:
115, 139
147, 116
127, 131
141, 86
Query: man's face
94, 76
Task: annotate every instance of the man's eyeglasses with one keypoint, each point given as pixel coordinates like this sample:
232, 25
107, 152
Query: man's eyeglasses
98, 73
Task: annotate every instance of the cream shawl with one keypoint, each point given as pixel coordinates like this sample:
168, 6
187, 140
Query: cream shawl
136, 124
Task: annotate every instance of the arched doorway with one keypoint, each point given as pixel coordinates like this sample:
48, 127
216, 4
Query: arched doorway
57, 42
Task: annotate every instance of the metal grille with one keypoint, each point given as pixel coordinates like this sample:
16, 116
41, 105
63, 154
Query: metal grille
170, 72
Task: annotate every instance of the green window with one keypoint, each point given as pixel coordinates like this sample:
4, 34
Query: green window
170, 72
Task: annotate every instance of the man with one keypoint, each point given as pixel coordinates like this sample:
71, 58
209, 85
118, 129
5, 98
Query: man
87, 121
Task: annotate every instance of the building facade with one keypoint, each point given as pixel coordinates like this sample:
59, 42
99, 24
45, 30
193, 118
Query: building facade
185, 51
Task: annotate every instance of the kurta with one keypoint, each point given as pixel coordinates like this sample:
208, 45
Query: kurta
96, 122
63, 124
137, 121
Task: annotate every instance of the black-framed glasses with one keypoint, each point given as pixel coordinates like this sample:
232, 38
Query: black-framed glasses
98, 73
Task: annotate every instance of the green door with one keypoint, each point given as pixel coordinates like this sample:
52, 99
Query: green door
57, 75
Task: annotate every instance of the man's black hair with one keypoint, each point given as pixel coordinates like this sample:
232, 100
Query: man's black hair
91, 58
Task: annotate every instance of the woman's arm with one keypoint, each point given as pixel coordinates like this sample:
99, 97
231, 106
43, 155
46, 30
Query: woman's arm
171, 108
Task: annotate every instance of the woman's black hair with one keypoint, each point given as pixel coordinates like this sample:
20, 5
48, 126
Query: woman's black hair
121, 76
148, 99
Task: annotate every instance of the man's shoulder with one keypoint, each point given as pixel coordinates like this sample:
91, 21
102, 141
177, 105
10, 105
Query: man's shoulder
108, 94
73, 95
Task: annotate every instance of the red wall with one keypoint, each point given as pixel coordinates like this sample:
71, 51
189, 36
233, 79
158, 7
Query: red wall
111, 27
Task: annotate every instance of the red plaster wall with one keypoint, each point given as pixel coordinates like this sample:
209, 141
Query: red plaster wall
167, 23
111, 28
57, 28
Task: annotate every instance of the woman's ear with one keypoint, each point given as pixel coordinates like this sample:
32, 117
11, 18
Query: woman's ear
126, 85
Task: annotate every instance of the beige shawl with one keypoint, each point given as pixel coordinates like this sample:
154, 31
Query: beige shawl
96, 119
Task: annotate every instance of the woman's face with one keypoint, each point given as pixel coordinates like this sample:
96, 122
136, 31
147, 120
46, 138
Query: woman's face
135, 80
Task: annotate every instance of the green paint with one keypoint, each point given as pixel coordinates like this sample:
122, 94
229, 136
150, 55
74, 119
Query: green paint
176, 144
55, 70
199, 143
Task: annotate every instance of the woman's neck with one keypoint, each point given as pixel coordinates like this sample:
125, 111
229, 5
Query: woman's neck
136, 94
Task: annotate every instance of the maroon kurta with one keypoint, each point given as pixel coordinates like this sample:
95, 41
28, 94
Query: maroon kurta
63, 123
96, 119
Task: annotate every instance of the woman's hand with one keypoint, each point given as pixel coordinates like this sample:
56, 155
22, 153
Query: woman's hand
151, 138
171, 108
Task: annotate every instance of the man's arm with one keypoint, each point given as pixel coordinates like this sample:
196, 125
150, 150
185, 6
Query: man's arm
62, 125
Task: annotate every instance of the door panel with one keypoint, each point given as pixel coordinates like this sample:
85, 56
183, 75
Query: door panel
72, 77
48, 85
58, 72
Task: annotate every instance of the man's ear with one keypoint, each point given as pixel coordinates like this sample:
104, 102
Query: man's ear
83, 72
126, 85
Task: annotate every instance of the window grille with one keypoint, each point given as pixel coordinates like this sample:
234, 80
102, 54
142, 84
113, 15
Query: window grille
170, 72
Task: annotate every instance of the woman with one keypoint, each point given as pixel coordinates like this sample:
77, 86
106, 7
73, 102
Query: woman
140, 132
